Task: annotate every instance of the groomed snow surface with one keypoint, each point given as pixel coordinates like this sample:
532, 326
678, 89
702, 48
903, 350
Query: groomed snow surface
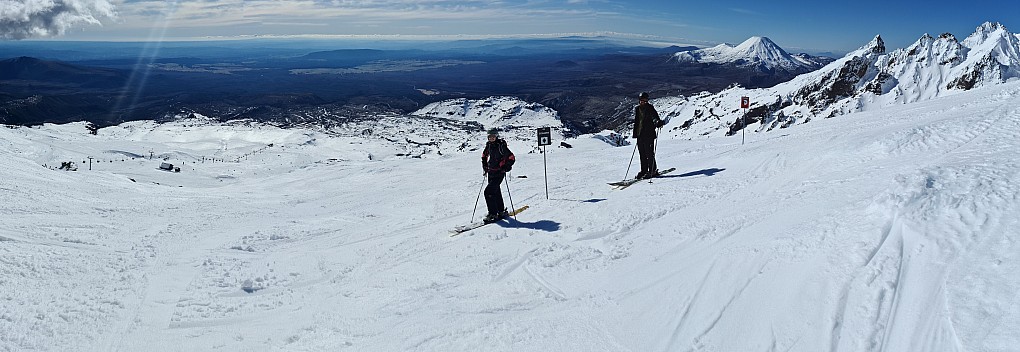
894, 229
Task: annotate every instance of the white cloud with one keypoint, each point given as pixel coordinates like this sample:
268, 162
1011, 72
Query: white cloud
45, 18
221, 13
745, 11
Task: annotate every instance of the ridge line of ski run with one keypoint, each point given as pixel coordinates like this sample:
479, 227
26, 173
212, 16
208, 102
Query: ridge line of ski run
976, 124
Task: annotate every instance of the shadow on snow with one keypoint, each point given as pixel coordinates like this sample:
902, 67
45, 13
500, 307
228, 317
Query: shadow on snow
705, 172
542, 225
593, 200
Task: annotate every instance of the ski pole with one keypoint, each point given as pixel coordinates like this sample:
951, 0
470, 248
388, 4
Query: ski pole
473, 210
508, 193
631, 161
655, 149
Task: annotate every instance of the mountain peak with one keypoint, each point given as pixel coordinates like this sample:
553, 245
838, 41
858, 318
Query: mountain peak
986, 31
876, 45
870, 77
23, 61
757, 51
758, 40
989, 27
759, 43
760, 49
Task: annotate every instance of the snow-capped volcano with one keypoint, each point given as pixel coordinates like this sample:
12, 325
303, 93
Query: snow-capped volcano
756, 52
865, 78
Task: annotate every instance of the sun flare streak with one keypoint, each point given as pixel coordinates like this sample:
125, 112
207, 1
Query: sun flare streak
139, 77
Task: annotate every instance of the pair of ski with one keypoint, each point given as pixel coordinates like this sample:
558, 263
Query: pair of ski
628, 182
465, 228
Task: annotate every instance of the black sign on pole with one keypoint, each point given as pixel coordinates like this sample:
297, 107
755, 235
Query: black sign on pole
544, 136
745, 103
544, 139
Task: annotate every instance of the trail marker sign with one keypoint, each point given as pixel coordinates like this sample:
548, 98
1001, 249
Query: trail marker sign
745, 103
544, 139
544, 136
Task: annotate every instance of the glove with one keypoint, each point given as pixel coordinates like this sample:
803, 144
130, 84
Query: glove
505, 168
660, 123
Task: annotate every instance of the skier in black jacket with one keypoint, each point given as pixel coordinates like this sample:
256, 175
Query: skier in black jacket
646, 120
497, 160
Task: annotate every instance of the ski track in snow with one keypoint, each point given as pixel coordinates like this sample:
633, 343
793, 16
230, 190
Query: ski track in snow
943, 196
890, 230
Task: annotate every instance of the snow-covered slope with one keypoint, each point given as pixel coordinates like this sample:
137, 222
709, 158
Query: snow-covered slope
375, 135
517, 118
893, 229
864, 79
755, 52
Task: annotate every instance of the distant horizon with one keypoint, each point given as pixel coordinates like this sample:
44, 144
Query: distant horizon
628, 38
797, 27
632, 39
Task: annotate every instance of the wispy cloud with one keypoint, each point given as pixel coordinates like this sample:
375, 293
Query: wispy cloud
21, 19
746, 12
248, 10
347, 14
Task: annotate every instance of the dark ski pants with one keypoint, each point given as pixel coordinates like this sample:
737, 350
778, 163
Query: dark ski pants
493, 192
646, 147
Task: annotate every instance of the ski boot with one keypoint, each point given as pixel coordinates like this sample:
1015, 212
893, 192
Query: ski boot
491, 218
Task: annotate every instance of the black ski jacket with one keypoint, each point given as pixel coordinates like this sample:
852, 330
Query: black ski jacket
646, 119
497, 157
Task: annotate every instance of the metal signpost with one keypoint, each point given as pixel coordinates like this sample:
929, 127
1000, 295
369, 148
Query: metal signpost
544, 139
745, 103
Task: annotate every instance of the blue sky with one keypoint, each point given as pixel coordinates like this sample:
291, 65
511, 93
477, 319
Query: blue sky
800, 26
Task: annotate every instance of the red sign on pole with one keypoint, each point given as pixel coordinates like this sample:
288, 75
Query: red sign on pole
745, 102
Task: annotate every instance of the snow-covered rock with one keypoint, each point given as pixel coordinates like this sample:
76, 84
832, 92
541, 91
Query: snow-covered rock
498, 112
993, 57
866, 78
515, 118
